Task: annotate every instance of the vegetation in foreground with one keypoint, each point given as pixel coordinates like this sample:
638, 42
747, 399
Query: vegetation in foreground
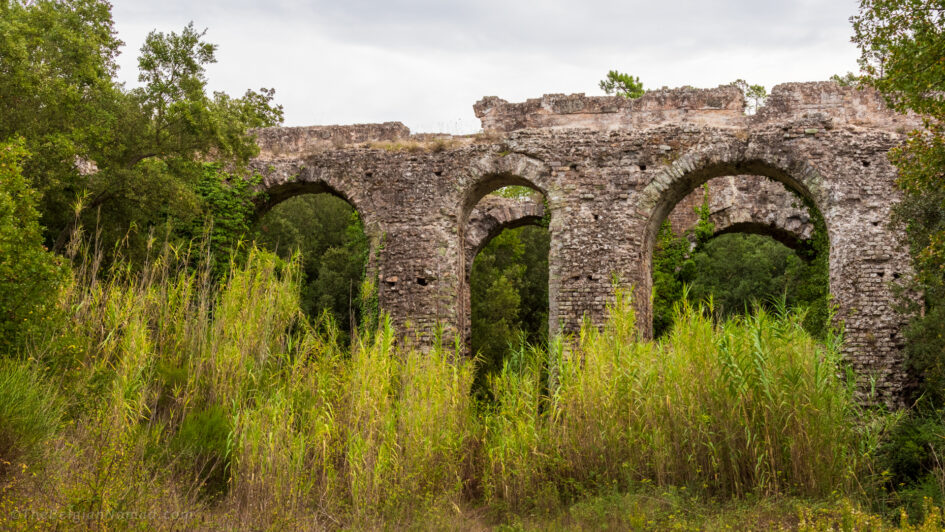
157, 399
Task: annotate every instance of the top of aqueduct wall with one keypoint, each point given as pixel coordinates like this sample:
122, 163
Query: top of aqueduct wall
824, 103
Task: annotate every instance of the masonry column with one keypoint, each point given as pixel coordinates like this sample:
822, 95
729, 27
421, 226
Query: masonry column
416, 280
865, 264
587, 222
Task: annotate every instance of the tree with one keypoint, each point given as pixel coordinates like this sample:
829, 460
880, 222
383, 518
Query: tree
672, 266
57, 63
148, 145
902, 54
755, 95
622, 85
738, 272
509, 292
902, 46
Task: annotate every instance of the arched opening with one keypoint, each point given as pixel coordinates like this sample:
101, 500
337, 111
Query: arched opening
506, 271
741, 241
328, 234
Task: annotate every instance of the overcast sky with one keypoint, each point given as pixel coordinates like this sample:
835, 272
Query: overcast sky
425, 62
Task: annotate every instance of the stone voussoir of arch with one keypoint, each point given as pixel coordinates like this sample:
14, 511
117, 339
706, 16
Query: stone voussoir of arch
611, 170
747, 204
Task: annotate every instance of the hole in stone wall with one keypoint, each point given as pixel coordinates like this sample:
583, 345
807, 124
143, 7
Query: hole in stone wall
421, 281
596, 217
438, 172
866, 163
642, 167
368, 174
573, 166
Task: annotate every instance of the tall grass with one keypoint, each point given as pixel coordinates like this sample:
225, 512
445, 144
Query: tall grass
222, 404
751, 405
188, 395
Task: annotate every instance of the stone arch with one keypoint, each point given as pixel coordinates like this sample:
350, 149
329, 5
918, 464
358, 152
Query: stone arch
279, 193
283, 179
790, 239
499, 170
481, 218
677, 179
306, 184
862, 259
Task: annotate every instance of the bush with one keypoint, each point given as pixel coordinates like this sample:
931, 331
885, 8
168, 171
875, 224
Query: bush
201, 444
911, 461
29, 275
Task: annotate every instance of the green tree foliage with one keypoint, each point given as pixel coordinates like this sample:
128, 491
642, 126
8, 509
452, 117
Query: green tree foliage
755, 95
509, 291
329, 235
57, 62
30, 275
902, 45
741, 271
228, 201
622, 85
672, 267
148, 144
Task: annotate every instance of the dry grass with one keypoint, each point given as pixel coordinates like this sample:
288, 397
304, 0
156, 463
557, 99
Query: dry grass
432, 145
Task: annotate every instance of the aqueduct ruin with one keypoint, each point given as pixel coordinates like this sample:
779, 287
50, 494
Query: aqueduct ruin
609, 171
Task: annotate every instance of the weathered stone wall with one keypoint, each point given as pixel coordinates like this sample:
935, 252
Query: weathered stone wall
611, 171
722, 106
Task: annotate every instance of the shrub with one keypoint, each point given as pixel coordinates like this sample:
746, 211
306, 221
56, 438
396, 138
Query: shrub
910, 461
201, 444
29, 275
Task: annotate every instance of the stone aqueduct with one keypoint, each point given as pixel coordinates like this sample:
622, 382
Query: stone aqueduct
610, 171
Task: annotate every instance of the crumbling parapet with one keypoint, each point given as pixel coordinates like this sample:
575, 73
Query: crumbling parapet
835, 104
720, 107
279, 142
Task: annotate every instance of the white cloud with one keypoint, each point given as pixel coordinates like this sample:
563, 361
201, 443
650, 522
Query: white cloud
426, 62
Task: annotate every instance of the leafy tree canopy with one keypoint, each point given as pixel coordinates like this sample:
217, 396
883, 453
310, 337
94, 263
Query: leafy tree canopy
29, 275
142, 149
902, 52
